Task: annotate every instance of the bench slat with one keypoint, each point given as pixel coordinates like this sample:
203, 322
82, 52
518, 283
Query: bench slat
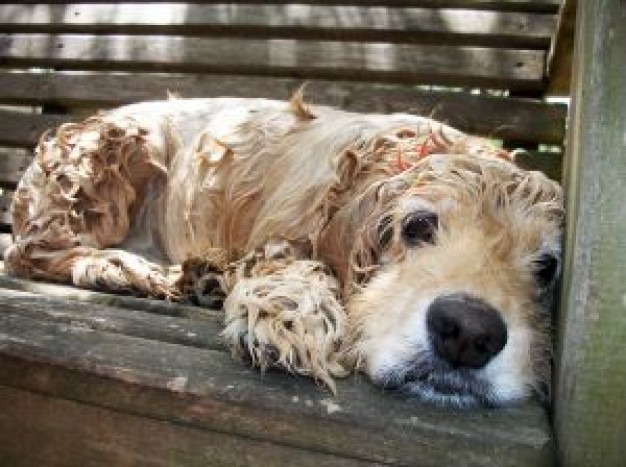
205, 389
24, 130
201, 331
5, 217
445, 65
538, 6
70, 433
506, 118
13, 163
379, 24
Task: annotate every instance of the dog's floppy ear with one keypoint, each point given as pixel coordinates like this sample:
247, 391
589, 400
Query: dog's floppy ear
352, 243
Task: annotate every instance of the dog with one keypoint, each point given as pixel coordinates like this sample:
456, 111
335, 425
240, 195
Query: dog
388, 244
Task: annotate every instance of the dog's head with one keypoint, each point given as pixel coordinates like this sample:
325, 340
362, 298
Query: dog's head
459, 259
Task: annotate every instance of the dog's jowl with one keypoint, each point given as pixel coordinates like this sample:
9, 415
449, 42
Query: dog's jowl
336, 241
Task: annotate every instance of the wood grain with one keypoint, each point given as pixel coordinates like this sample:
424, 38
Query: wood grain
507, 118
538, 6
5, 217
13, 163
199, 328
53, 432
24, 129
561, 53
590, 407
379, 61
328, 22
204, 389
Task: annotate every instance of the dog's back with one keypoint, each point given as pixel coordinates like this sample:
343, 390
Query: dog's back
242, 171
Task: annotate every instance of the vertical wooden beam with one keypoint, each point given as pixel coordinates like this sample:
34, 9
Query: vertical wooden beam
560, 57
590, 396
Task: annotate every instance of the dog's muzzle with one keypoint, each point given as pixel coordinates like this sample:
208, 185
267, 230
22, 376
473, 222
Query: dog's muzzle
465, 332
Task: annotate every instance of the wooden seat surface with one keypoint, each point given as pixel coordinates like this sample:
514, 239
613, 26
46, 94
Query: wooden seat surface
149, 382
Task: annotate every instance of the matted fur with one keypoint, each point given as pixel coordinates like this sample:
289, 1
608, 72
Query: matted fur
294, 212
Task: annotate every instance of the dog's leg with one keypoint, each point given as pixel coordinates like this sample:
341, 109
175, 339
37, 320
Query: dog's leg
285, 312
120, 271
76, 200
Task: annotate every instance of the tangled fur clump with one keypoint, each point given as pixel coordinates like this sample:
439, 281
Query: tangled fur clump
294, 217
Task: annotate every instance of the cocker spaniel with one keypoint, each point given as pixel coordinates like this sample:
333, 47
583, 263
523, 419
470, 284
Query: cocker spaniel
390, 244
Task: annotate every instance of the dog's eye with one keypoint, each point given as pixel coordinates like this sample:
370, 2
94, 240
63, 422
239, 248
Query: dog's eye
419, 227
546, 268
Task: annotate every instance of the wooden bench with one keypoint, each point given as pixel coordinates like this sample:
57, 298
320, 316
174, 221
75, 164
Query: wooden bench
93, 379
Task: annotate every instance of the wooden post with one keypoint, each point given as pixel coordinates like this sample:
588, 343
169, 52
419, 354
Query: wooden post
590, 396
560, 57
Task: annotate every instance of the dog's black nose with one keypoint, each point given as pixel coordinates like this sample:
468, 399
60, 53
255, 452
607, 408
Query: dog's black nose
465, 331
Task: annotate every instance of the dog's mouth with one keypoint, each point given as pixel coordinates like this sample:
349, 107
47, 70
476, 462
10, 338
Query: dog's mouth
442, 386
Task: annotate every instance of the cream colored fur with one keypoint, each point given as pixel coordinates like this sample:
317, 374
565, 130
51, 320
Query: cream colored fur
285, 203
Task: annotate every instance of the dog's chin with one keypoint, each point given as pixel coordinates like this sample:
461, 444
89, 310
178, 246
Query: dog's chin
445, 391
450, 388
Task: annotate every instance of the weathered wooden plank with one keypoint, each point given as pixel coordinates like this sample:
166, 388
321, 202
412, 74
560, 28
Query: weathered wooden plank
69, 433
204, 389
507, 118
24, 130
441, 64
379, 24
590, 410
200, 329
13, 163
550, 163
5, 203
560, 57
538, 6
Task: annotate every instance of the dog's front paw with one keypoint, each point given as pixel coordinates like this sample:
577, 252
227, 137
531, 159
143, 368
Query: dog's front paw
120, 271
201, 282
290, 318
252, 351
